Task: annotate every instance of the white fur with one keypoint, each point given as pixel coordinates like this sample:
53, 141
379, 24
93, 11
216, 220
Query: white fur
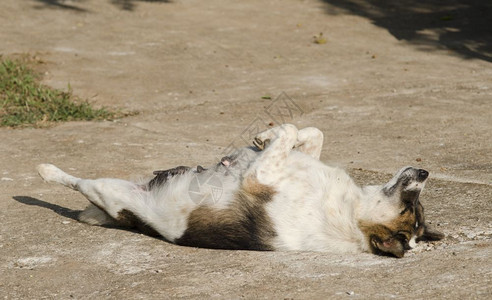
318, 208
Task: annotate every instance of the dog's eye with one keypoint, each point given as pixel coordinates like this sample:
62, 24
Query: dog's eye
402, 236
406, 180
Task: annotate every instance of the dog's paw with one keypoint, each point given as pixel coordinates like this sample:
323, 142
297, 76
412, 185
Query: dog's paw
50, 173
260, 143
262, 139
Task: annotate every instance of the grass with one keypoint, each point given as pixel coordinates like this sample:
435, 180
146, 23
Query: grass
26, 102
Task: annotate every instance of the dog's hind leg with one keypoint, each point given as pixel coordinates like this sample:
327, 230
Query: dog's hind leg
310, 141
110, 195
116, 197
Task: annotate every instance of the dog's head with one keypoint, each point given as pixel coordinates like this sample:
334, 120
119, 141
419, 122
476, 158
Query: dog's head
396, 216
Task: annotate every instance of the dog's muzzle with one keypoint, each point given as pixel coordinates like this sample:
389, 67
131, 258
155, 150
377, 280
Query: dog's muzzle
422, 175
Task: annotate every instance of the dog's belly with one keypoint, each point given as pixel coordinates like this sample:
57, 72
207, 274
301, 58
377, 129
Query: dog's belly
314, 208
311, 208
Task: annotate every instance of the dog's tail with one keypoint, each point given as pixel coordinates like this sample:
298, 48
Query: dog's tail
50, 173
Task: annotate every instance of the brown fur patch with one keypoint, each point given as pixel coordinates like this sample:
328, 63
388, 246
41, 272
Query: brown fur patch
392, 237
244, 225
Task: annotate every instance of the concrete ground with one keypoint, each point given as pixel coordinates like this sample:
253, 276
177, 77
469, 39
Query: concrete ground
394, 85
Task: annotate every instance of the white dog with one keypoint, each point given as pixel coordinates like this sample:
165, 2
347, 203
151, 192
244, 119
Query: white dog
277, 196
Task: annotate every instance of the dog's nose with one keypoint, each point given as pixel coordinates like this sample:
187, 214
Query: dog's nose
423, 174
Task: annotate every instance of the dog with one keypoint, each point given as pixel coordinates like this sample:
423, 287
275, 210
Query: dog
276, 195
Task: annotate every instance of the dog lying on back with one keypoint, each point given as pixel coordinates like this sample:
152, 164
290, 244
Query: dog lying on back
275, 196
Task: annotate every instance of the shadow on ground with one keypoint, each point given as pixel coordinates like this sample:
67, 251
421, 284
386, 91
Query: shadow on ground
461, 26
60, 210
74, 215
73, 5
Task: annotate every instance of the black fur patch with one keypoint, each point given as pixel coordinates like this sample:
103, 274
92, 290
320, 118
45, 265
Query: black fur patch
162, 176
127, 219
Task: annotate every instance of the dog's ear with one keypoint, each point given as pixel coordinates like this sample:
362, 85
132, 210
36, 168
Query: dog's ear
390, 246
424, 233
429, 234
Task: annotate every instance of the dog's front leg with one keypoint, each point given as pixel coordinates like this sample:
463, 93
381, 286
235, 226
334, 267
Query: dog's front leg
277, 144
310, 141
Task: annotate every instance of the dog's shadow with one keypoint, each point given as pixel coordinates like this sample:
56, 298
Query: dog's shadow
60, 210
74, 214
